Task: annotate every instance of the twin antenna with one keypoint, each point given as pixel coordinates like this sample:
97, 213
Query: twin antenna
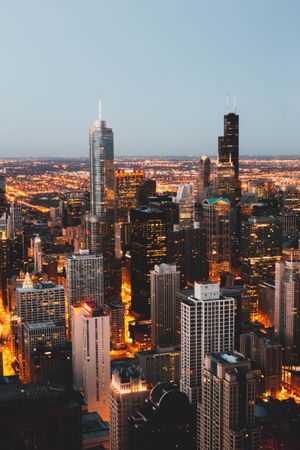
227, 104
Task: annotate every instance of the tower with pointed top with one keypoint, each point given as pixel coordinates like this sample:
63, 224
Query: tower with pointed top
101, 221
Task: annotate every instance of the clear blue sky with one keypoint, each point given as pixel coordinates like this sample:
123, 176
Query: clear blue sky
165, 67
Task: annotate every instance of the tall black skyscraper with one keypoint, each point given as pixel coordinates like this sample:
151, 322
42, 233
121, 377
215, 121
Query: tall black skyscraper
228, 145
148, 247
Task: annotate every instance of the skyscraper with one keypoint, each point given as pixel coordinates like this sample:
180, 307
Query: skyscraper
266, 355
185, 201
226, 420
84, 273
2, 194
91, 356
207, 325
261, 247
102, 218
203, 181
148, 247
217, 221
228, 145
46, 334
15, 219
37, 305
128, 392
287, 307
127, 186
164, 281
187, 249
38, 254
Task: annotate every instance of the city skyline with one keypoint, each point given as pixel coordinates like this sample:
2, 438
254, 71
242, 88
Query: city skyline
175, 79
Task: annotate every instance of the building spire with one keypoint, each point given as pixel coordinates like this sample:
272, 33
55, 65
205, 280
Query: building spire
227, 104
99, 105
234, 105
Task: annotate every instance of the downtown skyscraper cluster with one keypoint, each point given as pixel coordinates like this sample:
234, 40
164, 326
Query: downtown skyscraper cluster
179, 310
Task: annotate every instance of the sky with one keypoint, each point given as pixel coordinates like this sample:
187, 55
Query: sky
165, 67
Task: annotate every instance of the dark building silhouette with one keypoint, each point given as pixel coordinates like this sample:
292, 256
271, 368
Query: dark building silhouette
228, 145
39, 416
145, 190
74, 206
165, 423
187, 249
148, 247
3, 203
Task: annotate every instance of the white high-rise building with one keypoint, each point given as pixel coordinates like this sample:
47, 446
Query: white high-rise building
127, 395
91, 346
85, 278
287, 306
164, 282
37, 254
43, 302
207, 325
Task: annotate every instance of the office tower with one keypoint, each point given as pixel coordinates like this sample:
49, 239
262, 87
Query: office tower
15, 219
266, 355
38, 254
207, 325
228, 145
17, 245
84, 274
203, 181
185, 201
39, 304
226, 182
54, 364
164, 281
287, 307
5, 265
266, 302
187, 249
166, 204
3, 203
226, 414
101, 222
146, 189
161, 365
261, 246
181, 294
91, 355
127, 185
74, 206
42, 303
36, 335
165, 422
217, 221
40, 416
116, 312
128, 392
77, 347
148, 247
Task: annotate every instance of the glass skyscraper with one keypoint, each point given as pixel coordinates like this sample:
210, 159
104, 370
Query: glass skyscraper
101, 222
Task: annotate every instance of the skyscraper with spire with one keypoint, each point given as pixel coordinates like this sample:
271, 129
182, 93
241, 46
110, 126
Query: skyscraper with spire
101, 221
228, 145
